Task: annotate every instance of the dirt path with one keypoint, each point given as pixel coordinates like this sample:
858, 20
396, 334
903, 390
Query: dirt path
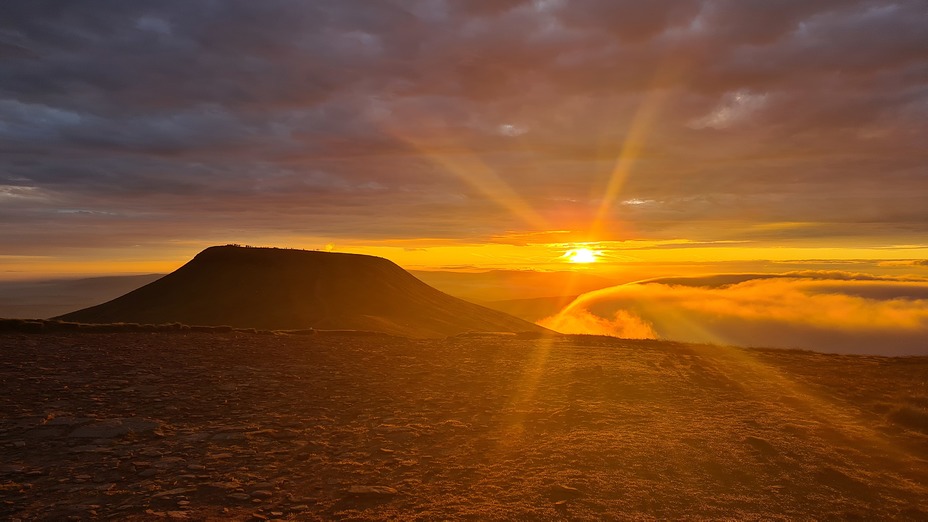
238, 426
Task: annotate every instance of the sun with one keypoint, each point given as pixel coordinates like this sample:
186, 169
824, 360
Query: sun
581, 255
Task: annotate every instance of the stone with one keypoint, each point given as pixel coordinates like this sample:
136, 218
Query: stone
372, 491
112, 428
262, 493
220, 485
173, 492
221, 456
229, 436
68, 421
168, 462
90, 448
9, 469
563, 492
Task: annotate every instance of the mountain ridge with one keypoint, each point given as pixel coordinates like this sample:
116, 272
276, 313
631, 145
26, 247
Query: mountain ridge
275, 288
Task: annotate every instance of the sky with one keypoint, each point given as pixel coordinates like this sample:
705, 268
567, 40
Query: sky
465, 134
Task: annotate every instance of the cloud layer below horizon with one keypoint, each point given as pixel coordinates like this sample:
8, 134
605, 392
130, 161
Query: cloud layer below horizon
132, 122
827, 311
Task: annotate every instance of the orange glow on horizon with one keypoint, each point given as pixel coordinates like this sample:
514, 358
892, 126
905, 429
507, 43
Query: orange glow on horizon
645, 258
582, 255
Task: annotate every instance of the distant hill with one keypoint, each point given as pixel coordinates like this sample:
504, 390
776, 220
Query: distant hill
534, 309
507, 285
272, 288
47, 298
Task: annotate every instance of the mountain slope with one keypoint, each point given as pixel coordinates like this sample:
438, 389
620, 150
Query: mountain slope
505, 285
289, 289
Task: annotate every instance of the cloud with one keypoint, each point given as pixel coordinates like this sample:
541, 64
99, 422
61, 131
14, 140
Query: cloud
622, 324
906, 263
180, 104
883, 317
734, 109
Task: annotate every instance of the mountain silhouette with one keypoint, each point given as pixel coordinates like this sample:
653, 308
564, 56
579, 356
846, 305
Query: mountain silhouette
280, 289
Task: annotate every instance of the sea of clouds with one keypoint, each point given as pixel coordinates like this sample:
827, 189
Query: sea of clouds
826, 311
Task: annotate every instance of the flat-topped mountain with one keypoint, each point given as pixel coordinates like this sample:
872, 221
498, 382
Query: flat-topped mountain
270, 288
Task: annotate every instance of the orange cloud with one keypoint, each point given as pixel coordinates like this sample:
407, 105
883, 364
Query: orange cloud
835, 315
622, 324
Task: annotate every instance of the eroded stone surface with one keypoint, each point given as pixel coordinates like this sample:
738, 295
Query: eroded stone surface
371, 491
246, 427
110, 428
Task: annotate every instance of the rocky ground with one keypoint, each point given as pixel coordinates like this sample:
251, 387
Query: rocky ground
145, 426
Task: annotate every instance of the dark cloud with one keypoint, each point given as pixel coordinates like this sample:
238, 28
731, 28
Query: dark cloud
200, 114
630, 21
